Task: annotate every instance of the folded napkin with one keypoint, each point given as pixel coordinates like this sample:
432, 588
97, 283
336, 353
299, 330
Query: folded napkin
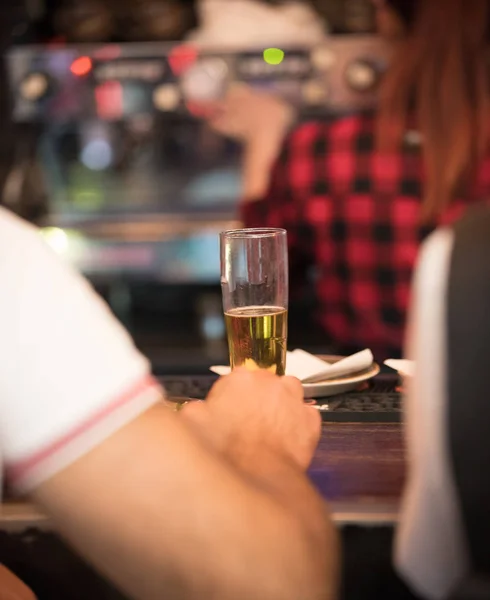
311, 369
406, 368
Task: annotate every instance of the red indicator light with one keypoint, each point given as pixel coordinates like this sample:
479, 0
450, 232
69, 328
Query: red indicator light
109, 100
81, 66
181, 58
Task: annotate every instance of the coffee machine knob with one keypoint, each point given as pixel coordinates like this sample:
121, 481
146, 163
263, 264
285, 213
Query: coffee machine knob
34, 86
362, 75
166, 97
315, 92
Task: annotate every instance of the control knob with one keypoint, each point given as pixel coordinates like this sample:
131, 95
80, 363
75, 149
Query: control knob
362, 75
34, 86
166, 97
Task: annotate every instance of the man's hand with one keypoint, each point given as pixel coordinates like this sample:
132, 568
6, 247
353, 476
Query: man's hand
251, 414
260, 423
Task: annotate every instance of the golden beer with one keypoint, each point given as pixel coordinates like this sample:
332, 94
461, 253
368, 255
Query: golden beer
257, 337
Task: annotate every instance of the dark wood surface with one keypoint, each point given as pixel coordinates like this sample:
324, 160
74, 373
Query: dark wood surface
356, 464
360, 463
358, 467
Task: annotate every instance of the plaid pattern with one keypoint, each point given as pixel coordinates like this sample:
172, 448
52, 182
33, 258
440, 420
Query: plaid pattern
353, 215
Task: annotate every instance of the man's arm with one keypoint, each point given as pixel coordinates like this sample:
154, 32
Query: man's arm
211, 503
162, 515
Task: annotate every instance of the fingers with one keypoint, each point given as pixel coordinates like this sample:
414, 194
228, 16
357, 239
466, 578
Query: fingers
254, 408
195, 412
315, 420
242, 374
293, 385
257, 383
197, 417
243, 377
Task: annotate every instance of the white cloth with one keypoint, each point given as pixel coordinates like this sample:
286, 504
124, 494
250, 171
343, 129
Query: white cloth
69, 373
405, 367
244, 23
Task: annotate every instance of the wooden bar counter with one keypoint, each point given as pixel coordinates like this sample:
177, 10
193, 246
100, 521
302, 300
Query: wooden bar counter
358, 467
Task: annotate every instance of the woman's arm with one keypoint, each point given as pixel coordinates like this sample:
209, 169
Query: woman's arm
260, 156
260, 121
270, 188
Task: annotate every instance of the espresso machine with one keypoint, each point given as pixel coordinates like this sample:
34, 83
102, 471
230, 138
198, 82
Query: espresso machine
113, 161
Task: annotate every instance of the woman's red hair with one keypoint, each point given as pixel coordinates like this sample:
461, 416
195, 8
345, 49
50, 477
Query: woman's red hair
440, 74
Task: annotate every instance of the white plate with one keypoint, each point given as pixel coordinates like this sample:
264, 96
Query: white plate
339, 385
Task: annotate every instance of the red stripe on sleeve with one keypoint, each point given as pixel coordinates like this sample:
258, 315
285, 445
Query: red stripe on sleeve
18, 469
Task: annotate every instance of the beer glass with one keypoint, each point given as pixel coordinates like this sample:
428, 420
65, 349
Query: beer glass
254, 282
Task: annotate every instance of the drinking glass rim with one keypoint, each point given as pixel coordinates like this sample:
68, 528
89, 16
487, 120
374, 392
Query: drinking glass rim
253, 232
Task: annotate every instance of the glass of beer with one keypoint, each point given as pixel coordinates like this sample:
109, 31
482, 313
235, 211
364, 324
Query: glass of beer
254, 281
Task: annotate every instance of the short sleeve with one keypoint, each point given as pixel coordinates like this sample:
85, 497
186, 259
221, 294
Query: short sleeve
70, 375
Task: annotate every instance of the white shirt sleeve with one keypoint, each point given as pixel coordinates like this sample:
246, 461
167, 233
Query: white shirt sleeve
70, 375
430, 548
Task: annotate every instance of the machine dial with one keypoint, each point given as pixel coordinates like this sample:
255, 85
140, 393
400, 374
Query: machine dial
166, 97
323, 58
362, 75
315, 92
34, 86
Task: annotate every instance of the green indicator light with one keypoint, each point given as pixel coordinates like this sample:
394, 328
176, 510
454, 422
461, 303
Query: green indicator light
273, 56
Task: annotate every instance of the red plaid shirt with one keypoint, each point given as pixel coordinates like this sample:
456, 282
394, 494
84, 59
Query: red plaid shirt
353, 215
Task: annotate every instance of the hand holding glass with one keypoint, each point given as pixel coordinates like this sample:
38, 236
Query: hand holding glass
254, 281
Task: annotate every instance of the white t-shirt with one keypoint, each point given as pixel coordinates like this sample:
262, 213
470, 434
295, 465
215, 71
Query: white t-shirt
70, 375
